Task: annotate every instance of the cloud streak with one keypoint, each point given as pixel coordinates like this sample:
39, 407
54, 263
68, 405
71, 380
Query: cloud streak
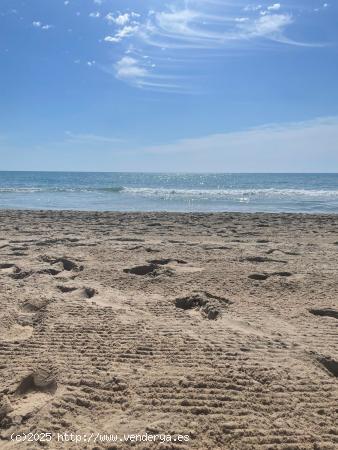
193, 30
152, 43
301, 146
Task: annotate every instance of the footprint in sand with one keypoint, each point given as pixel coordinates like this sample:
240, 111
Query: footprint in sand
325, 312
263, 259
281, 274
330, 364
34, 391
68, 265
59, 265
8, 268
210, 306
151, 270
66, 289
165, 261
265, 276
49, 271
21, 274
63, 262
42, 379
83, 292
259, 276
88, 292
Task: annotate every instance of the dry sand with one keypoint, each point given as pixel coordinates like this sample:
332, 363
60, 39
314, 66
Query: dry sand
222, 327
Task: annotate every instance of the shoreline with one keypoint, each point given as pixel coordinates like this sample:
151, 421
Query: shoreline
254, 193
178, 213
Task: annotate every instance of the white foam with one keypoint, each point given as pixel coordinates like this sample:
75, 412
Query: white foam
242, 195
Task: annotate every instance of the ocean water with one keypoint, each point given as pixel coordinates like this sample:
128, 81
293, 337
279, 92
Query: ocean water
306, 193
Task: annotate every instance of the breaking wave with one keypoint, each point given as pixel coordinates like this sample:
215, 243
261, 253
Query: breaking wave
207, 194
23, 190
242, 194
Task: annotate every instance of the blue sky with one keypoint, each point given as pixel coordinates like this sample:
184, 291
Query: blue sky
194, 85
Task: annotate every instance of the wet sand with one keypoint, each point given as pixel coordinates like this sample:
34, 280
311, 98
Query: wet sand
220, 327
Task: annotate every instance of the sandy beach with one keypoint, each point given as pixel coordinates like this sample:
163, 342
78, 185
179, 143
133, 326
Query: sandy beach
217, 330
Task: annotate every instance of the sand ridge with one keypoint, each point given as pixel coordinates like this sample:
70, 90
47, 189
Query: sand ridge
219, 326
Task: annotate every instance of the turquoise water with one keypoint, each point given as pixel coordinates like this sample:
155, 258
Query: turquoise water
308, 193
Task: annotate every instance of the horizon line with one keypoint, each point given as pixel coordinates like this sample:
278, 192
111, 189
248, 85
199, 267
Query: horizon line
169, 173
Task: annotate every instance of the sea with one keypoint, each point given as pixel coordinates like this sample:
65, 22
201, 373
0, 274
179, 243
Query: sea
179, 192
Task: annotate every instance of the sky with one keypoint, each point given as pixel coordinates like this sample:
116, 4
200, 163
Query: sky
183, 85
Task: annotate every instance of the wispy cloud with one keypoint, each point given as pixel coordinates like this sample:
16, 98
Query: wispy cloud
38, 24
194, 30
140, 72
120, 19
179, 35
267, 26
199, 29
122, 33
274, 7
90, 138
299, 146
128, 68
